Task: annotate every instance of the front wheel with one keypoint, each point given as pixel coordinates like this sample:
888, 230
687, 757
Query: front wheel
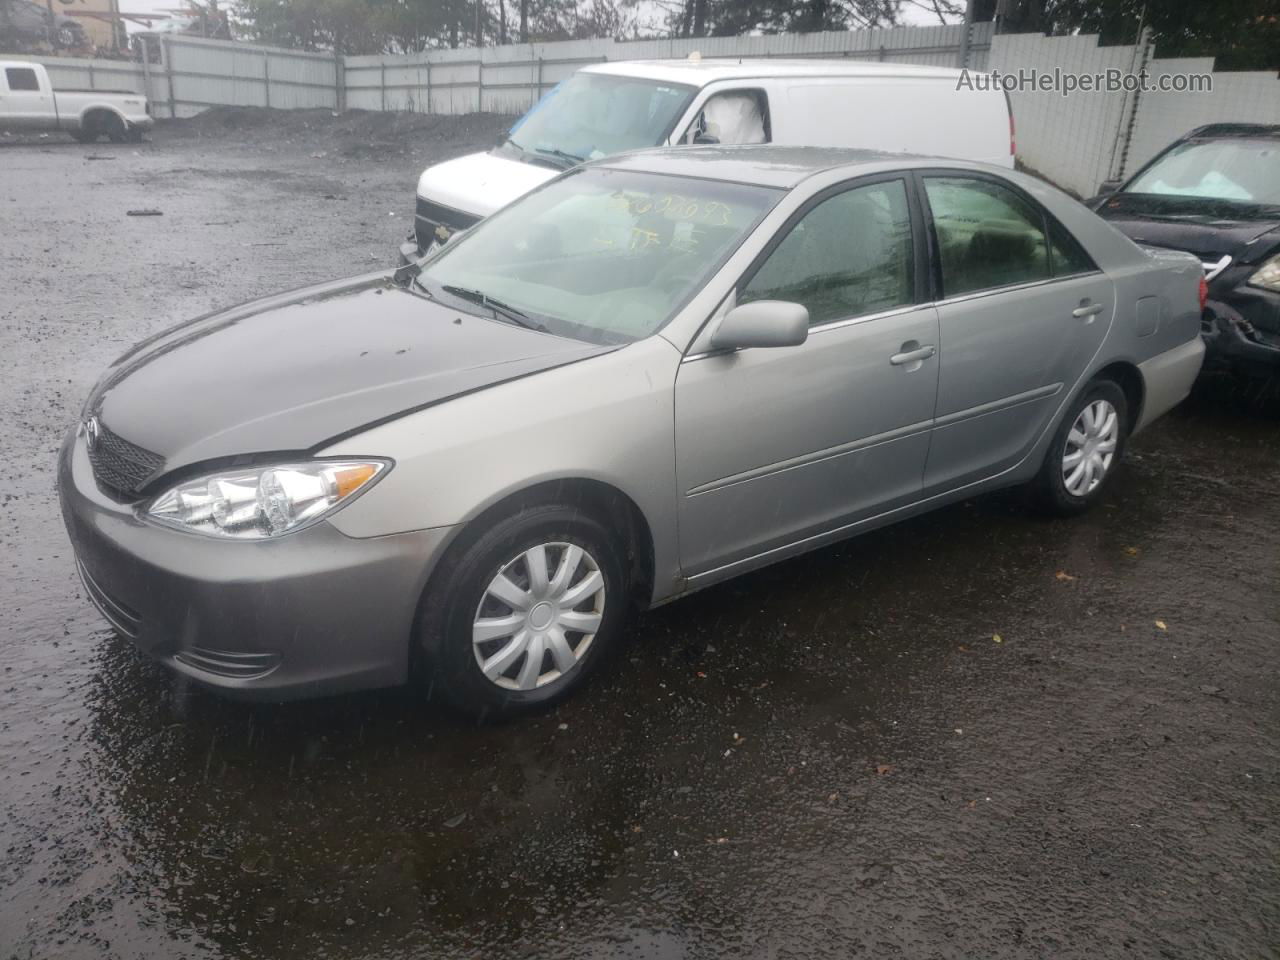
524, 613
1085, 450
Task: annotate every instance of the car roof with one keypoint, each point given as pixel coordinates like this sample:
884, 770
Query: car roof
701, 72
766, 165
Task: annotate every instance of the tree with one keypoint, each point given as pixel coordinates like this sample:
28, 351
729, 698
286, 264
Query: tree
727, 18
1240, 34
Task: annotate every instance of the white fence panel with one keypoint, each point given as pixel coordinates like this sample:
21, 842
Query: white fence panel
1244, 97
511, 79
1072, 140
206, 73
1080, 140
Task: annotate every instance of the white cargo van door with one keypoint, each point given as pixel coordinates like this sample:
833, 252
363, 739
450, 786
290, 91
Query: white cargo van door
924, 115
23, 105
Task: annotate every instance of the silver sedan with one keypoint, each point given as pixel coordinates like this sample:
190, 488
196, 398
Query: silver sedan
654, 373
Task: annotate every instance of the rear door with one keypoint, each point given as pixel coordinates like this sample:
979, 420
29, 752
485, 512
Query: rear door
1022, 314
776, 445
23, 103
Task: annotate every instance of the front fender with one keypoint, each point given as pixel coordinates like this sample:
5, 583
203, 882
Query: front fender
608, 418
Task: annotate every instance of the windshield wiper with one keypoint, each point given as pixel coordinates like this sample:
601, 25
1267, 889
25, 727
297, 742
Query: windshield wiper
569, 159
500, 309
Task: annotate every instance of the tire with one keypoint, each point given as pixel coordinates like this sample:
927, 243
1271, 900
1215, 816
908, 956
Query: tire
116, 129
88, 134
1057, 488
459, 596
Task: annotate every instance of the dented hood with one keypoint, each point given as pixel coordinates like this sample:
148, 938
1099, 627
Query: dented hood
1208, 228
293, 372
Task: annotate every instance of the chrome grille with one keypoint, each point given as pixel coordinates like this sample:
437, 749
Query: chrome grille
435, 221
121, 465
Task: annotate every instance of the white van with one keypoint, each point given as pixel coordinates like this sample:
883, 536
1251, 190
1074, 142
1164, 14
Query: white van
611, 107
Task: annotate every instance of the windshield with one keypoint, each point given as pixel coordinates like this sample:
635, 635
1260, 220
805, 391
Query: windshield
1247, 171
592, 115
602, 255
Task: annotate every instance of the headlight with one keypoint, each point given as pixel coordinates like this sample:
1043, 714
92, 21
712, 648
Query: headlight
259, 502
1267, 276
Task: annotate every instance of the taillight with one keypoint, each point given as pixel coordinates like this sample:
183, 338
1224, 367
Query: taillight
1204, 292
1013, 146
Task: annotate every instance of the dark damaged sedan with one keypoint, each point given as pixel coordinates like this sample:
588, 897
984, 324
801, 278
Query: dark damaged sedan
1216, 193
652, 374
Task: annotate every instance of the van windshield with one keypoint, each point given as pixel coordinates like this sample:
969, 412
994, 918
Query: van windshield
593, 115
601, 255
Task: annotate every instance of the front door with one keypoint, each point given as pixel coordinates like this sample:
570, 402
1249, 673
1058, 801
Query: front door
775, 445
25, 105
1024, 312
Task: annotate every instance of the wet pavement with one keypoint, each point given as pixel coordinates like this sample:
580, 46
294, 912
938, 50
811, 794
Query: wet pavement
974, 734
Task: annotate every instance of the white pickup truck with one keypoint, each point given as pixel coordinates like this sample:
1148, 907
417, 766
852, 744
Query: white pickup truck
29, 102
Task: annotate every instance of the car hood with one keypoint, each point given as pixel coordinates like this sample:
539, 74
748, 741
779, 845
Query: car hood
294, 372
1206, 228
481, 183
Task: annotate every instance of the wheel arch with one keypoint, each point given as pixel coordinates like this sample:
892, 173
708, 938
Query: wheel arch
98, 112
604, 501
1126, 375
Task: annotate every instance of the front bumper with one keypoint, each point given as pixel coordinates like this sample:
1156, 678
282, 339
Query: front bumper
1241, 325
310, 613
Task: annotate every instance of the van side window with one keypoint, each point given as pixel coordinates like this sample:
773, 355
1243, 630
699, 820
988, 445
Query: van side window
732, 117
1069, 258
21, 78
849, 256
988, 236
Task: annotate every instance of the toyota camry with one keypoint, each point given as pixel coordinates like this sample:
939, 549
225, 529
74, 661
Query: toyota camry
656, 372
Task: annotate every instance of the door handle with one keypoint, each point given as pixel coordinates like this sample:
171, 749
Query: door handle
1087, 310
912, 356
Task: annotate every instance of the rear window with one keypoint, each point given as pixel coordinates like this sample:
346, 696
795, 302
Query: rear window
21, 78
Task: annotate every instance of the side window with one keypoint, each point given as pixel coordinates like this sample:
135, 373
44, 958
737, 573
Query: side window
850, 255
732, 117
21, 78
1067, 256
988, 236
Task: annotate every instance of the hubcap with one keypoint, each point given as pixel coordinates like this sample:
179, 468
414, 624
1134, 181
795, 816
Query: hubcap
1090, 448
538, 616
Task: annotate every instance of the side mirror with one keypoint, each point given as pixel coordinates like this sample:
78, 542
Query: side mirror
1109, 186
762, 323
705, 139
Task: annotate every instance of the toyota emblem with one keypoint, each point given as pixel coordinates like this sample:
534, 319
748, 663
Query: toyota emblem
92, 433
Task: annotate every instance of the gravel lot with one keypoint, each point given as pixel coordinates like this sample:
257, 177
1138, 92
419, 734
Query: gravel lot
976, 734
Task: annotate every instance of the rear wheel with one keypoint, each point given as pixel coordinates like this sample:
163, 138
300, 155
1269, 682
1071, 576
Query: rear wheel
86, 134
521, 615
1085, 450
